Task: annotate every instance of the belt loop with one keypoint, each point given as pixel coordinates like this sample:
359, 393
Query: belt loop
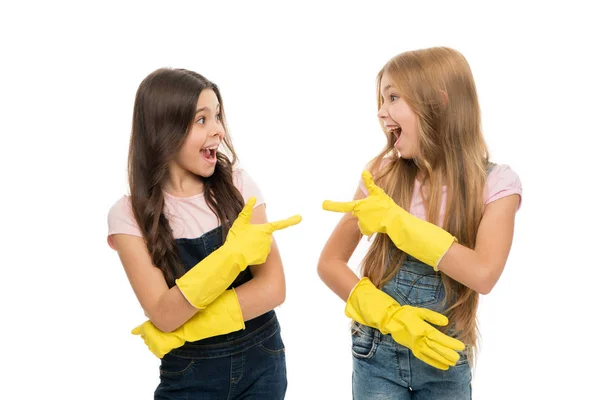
377, 336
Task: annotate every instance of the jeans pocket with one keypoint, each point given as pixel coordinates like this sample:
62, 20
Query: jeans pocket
175, 366
363, 341
272, 345
463, 358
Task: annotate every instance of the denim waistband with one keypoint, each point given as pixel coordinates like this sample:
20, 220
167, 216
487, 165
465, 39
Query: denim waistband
257, 330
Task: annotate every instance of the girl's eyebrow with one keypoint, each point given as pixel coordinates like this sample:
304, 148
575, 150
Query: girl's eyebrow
204, 109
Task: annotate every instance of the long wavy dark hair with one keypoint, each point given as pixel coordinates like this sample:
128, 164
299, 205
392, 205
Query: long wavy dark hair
163, 114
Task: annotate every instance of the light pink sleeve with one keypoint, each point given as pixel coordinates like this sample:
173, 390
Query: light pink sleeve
502, 182
362, 187
247, 186
121, 220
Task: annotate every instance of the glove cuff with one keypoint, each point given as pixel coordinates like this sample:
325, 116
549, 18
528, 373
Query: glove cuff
370, 306
421, 239
202, 284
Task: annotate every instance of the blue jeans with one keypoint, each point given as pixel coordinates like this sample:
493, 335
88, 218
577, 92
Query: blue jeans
383, 369
248, 367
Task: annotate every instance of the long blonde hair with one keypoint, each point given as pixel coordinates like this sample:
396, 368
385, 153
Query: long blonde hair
438, 85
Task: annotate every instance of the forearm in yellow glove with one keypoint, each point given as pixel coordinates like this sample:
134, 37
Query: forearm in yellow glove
370, 306
220, 317
379, 213
246, 244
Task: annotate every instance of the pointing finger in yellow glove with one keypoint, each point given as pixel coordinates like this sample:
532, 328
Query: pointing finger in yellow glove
379, 213
246, 244
253, 241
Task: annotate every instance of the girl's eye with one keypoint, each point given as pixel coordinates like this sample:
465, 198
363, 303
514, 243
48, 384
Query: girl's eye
201, 120
393, 97
219, 117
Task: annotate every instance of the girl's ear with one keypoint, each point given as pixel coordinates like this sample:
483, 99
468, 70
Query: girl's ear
444, 95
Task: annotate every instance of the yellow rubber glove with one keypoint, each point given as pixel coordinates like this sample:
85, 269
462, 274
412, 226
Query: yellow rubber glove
246, 244
379, 213
220, 317
370, 306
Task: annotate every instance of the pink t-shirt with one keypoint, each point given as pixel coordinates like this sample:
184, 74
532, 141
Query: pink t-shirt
501, 182
189, 217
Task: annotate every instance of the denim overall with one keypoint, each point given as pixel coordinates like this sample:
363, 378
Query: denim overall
247, 364
384, 369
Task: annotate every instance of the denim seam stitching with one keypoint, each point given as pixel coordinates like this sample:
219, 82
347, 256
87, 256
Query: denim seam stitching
243, 338
374, 344
267, 325
269, 351
182, 372
231, 378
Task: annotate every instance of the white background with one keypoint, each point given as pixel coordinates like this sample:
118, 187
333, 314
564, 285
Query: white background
298, 82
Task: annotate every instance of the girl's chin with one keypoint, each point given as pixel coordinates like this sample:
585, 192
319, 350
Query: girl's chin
204, 171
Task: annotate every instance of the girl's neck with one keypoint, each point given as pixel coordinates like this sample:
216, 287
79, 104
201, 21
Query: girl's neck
183, 184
